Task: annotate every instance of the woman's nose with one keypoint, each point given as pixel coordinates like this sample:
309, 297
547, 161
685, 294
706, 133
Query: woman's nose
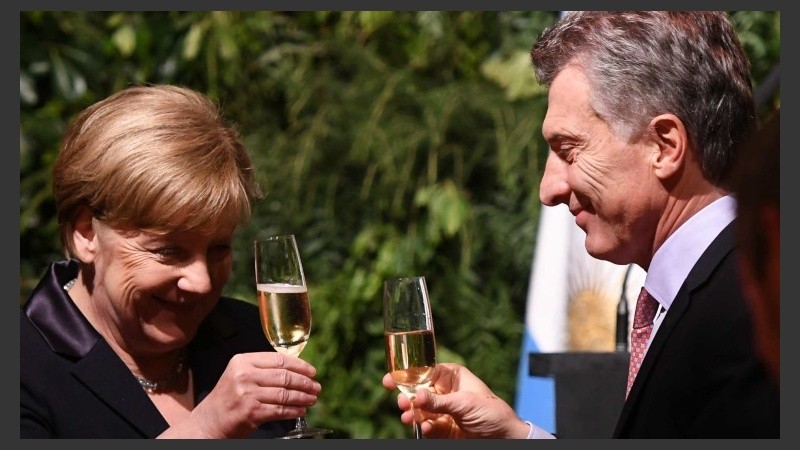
195, 277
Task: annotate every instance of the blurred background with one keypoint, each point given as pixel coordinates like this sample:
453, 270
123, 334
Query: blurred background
390, 143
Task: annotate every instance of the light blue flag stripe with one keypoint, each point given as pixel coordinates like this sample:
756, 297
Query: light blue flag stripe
536, 399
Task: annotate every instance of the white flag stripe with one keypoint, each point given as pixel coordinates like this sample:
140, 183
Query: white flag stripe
546, 319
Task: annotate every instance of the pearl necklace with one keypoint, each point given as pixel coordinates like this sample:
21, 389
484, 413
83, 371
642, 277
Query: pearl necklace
69, 284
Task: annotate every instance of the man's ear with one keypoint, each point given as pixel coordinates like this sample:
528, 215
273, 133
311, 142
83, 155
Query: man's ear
84, 237
670, 137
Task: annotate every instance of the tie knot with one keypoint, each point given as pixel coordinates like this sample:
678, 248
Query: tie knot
646, 307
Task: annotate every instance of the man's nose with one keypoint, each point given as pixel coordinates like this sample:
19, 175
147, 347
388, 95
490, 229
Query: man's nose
554, 189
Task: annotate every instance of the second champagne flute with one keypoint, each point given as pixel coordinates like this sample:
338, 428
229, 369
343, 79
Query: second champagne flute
283, 304
408, 332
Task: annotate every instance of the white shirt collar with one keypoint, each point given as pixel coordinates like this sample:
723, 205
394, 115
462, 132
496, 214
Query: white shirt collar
678, 254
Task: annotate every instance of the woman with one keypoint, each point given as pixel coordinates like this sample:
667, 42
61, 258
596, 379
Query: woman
129, 337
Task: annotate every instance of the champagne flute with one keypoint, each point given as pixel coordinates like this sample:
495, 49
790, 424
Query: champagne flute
409, 338
283, 305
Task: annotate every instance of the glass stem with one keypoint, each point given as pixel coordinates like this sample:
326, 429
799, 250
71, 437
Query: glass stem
415, 426
301, 423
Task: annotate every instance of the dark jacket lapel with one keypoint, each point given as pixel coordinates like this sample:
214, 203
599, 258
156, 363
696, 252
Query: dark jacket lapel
723, 244
95, 365
102, 372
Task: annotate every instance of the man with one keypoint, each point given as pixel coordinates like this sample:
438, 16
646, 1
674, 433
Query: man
645, 112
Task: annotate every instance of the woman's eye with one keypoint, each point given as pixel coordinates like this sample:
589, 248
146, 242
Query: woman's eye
168, 252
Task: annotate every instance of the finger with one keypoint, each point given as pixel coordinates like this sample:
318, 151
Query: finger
403, 401
421, 411
270, 411
285, 397
275, 360
434, 430
430, 402
407, 417
388, 382
427, 428
280, 378
423, 399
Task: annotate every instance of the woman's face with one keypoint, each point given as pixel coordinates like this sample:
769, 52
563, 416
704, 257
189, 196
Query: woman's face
151, 291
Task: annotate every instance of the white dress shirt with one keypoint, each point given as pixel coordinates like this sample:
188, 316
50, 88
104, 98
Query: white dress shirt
676, 257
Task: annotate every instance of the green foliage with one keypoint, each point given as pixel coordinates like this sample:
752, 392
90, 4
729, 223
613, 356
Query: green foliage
391, 143
760, 33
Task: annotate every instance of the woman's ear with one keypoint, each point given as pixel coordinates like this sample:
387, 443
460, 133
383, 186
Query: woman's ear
84, 237
670, 136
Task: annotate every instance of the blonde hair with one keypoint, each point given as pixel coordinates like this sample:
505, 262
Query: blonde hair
156, 158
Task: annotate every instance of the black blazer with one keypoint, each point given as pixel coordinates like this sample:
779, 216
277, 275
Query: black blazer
72, 385
701, 377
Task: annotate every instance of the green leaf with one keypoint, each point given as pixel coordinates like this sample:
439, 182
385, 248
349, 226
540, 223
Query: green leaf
372, 20
514, 74
69, 82
125, 39
228, 49
27, 89
193, 41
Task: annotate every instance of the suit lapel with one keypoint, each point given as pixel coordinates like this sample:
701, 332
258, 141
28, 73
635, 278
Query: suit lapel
95, 365
103, 373
723, 244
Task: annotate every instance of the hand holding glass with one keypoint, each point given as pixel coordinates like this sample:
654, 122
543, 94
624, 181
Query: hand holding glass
408, 332
283, 304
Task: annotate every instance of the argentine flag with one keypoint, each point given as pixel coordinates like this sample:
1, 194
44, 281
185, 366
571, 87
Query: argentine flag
568, 289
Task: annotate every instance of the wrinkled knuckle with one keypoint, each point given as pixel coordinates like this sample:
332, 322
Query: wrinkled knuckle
280, 360
237, 360
284, 397
285, 379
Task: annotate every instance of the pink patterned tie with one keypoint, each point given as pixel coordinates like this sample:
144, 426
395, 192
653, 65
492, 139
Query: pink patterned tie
646, 307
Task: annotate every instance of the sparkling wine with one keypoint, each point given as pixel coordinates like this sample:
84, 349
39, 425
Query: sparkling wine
285, 316
411, 356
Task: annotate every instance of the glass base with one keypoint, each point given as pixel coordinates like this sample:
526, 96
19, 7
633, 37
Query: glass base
306, 433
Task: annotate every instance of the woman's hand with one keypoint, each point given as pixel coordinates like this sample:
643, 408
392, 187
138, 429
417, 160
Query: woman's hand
255, 388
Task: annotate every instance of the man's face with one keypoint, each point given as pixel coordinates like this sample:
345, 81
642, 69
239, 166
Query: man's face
605, 180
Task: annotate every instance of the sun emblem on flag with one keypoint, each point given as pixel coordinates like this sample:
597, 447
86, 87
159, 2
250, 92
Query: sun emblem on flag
593, 289
591, 319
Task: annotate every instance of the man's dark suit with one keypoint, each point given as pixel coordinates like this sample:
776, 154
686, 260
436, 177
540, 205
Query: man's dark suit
701, 376
72, 385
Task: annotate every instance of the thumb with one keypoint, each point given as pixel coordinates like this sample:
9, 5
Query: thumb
436, 403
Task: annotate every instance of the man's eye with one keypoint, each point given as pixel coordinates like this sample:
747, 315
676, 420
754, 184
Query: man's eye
564, 153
